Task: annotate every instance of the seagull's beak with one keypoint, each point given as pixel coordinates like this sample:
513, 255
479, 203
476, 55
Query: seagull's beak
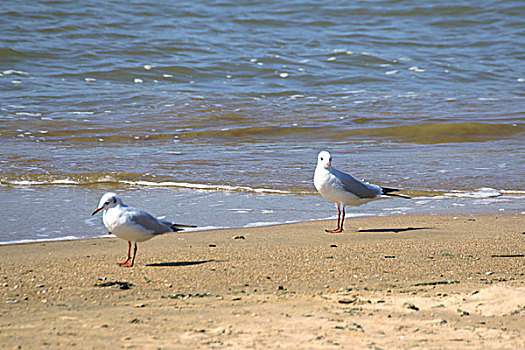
96, 211
327, 165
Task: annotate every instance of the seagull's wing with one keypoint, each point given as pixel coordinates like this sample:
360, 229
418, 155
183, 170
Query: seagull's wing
353, 185
147, 221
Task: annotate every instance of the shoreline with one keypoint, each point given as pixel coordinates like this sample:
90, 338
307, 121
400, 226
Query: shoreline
404, 281
350, 217
64, 211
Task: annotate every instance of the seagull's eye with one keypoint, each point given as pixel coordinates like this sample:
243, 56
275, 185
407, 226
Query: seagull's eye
106, 203
322, 158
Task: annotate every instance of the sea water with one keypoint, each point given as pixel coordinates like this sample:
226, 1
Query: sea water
212, 113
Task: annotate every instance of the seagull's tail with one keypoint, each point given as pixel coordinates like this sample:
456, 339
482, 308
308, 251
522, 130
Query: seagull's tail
180, 227
388, 192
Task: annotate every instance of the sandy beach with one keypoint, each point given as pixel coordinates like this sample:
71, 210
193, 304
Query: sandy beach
432, 282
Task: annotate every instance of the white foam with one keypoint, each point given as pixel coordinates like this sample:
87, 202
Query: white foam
27, 114
16, 72
205, 228
37, 183
206, 187
262, 223
270, 223
484, 192
65, 238
416, 69
25, 183
64, 182
241, 210
105, 179
398, 209
82, 113
354, 91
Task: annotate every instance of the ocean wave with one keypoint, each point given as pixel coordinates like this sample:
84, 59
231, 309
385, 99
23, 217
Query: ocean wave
79, 180
435, 133
205, 187
427, 133
93, 180
127, 180
422, 133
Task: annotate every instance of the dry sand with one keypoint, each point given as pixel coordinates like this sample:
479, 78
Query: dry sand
433, 282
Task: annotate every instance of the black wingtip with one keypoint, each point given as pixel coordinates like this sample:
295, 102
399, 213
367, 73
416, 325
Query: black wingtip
387, 191
180, 227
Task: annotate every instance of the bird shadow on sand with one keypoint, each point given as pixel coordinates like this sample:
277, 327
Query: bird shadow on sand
393, 230
179, 263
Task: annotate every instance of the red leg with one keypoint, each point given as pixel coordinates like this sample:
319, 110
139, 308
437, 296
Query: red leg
339, 225
128, 263
342, 220
129, 256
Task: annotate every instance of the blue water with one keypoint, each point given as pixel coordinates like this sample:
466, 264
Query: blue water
229, 102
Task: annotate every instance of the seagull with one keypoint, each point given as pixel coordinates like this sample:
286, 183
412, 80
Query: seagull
343, 189
132, 224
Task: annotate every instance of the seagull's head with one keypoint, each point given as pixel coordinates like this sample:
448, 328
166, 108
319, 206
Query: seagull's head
324, 159
108, 200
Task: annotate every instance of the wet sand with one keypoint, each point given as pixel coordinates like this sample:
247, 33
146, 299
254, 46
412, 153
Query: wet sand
434, 282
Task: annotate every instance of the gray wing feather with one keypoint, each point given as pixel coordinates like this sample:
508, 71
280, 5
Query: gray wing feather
140, 217
359, 188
